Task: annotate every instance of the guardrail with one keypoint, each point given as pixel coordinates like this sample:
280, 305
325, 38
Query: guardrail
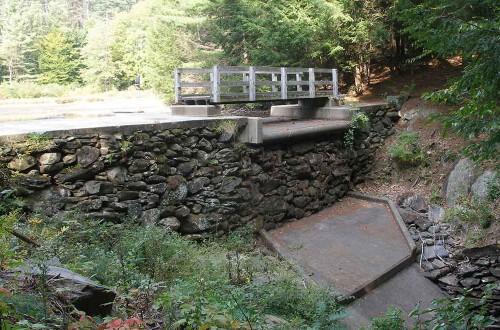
253, 84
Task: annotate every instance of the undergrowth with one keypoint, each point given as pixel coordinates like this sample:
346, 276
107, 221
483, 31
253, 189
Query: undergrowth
407, 149
167, 281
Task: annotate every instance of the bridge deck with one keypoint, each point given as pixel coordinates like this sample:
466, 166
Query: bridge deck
253, 84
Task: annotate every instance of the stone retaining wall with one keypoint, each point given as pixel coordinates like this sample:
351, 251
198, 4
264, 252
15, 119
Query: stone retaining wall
192, 178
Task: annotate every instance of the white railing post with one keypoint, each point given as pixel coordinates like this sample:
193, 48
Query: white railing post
274, 77
312, 86
251, 81
177, 85
245, 78
335, 84
284, 85
215, 84
298, 77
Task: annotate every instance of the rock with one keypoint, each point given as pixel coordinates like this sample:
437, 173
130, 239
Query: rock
98, 187
44, 169
495, 271
437, 273
86, 156
480, 188
49, 158
137, 185
226, 156
174, 181
431, 252
449, 280
48, 201
195, 223
197, 184
274, 205
423, 223
186, 168
81, 292
32, 181
485, 251
397, 101
229, 184
417, 203
470, 282
139, 165
182, 212
134, 210
73, 175
408, 216
438, 263
205, 145
69, 159
459, 181
150, 217
117, 175
482, 262
126, 195
22, 163
158, 188
170, 224
435, 213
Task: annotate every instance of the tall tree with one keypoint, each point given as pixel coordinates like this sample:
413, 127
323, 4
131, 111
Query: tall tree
60, 59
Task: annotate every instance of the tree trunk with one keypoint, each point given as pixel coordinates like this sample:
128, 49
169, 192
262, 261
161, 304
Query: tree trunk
361, 77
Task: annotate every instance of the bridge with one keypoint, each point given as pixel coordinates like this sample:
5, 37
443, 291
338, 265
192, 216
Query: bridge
238, 84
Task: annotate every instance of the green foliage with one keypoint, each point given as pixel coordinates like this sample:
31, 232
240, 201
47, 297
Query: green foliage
468, 28
21, 90
471, 211
407, 149
393, 320
219, 284
494, 187
461, 312
358, 122
59, 59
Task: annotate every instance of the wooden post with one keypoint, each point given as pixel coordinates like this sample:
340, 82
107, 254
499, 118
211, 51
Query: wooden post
215, 84
177, 85
312, 86
298, 78
245, 78
335, 79
284, 85
274, 77
251, 81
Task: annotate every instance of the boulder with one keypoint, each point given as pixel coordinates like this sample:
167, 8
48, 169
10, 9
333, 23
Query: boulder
49, 158
98, 187
117, 175
150, 217
48, 201
229, 184
139, 165
86, 156
22, 163
435, 213
170, 223
459, 181
484, 251
32, 181
81, 292
196, 223
480, 188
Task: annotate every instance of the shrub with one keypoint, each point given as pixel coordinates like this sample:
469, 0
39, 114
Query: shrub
407, 150
31, 90
471, 211
393, 320
358, 122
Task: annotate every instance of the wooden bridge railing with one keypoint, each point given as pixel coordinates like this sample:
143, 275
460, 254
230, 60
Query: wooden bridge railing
253, 84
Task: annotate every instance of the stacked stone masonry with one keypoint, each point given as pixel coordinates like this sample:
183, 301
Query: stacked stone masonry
195, 179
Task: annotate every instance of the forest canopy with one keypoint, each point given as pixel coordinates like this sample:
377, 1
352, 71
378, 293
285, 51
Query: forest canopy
105, 44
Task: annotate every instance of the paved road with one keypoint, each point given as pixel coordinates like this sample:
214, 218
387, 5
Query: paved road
38, 118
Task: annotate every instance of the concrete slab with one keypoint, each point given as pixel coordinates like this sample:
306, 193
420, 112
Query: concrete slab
352, 246
297, 111
285, 130
196, 110
404, 290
